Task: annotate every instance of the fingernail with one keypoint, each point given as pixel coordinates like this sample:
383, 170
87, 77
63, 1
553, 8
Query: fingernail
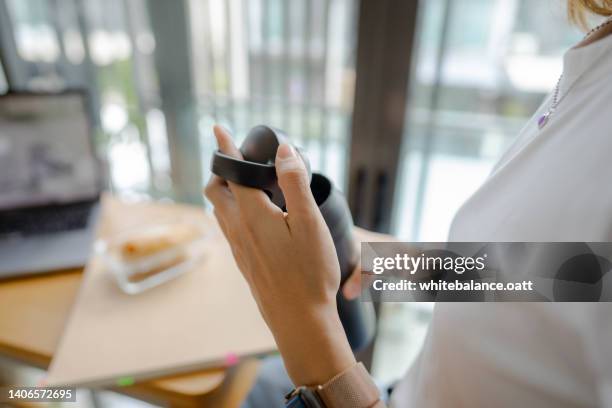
285, 151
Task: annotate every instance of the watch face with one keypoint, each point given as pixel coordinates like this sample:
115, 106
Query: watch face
303, 397
295, 402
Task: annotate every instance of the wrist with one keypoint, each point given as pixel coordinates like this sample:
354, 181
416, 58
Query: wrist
313, 345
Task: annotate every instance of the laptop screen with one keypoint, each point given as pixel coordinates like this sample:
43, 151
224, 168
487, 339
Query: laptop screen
46, 153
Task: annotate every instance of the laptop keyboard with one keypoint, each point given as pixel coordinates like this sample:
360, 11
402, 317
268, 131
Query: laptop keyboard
45, 220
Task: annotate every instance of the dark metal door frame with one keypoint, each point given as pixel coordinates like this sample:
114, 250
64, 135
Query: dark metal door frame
384, 55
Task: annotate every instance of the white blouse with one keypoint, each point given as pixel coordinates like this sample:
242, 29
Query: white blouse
553, 184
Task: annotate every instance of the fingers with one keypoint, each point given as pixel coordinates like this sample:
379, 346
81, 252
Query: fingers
219, 194
225, 142
352, 287
294, 182
248, 199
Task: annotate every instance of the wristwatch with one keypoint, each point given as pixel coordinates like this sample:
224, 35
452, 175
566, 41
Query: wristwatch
352, 388
303, 397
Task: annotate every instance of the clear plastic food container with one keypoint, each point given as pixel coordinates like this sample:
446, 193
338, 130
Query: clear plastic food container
148, 256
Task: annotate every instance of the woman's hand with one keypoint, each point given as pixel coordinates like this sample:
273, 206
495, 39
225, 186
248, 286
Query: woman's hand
290, 264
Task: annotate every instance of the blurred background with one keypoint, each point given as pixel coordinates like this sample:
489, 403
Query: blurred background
405, 105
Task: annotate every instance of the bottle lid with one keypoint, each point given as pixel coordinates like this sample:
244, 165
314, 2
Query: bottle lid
256, 169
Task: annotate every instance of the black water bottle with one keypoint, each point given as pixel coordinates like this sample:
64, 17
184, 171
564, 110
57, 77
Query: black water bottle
257, 170
357, 316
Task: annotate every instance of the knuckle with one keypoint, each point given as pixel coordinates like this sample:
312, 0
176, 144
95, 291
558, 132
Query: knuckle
312, 217
210, 191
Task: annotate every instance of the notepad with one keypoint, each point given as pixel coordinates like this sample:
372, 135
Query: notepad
194, 321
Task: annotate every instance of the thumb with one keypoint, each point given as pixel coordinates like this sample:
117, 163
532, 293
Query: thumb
293, 181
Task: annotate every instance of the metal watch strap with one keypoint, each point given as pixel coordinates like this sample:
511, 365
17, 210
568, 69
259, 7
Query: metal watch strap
352, 388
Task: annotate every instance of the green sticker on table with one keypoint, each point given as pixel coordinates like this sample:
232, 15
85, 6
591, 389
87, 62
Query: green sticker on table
125, 381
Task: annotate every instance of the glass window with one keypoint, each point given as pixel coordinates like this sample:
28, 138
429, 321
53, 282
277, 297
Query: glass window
481, 69
34, 34
474, 84
3, 82
287, 64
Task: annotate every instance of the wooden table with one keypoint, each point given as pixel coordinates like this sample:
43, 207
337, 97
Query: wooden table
33, 312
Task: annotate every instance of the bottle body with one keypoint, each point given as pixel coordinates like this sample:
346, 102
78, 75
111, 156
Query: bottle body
357, 317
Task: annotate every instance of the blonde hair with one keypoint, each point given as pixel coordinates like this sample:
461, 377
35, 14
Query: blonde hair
578, 10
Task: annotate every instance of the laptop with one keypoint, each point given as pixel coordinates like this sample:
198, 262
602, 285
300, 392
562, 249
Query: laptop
50, 182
